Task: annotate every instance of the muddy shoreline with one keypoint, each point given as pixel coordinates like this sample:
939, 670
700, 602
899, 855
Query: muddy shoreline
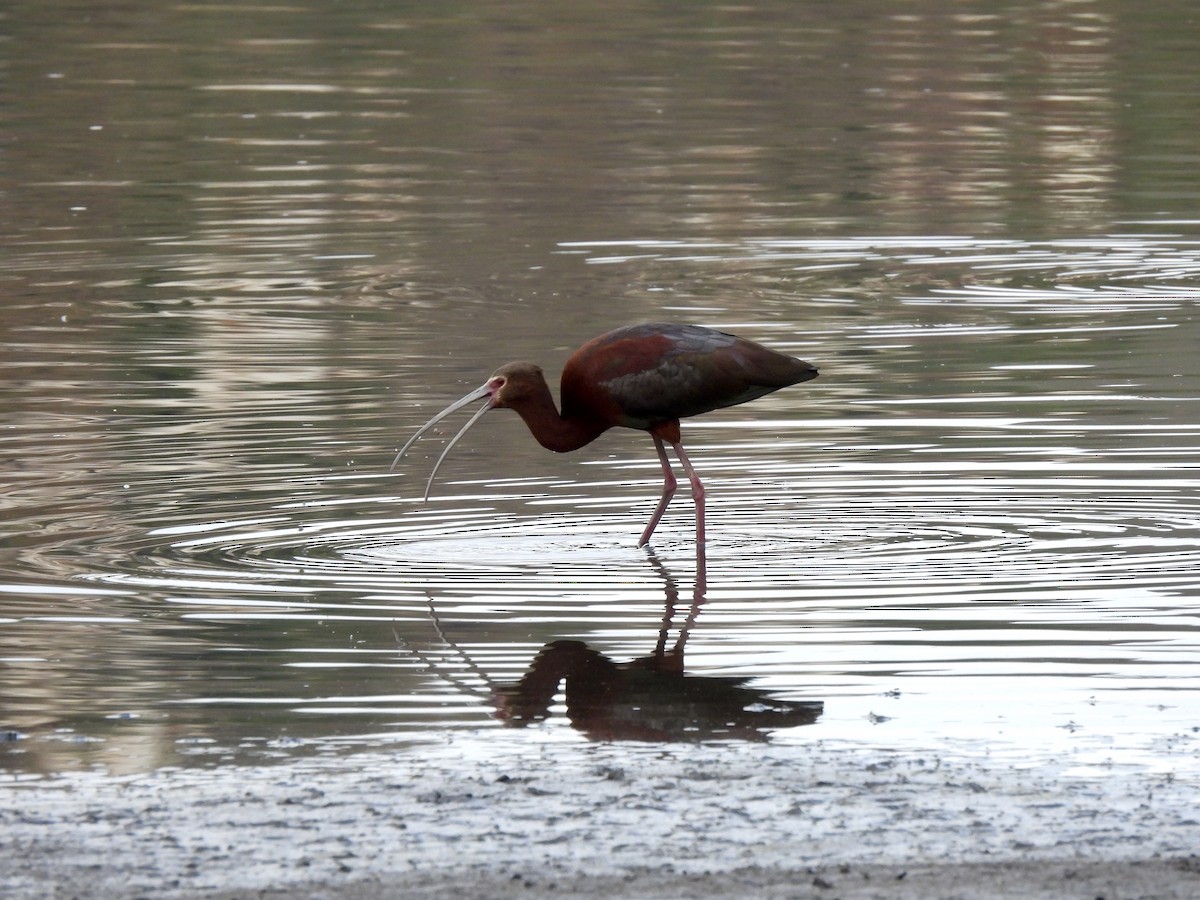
600, 820
1151, 880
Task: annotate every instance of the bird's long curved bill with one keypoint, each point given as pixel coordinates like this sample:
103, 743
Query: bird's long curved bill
477, 394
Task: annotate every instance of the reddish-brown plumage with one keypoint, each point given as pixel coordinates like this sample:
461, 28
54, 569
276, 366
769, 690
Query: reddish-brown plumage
646, 377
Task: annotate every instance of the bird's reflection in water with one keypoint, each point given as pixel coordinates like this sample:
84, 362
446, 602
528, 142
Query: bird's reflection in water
646, 699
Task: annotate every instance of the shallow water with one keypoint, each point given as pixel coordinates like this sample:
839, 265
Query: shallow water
234, 287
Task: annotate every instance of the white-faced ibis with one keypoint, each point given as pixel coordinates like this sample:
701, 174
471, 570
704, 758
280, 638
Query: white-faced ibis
642, 376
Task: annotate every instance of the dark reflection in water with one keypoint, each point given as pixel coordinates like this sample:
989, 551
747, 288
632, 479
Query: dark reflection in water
650, 698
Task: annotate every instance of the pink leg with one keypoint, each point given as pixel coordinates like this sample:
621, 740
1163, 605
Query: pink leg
697, 493
668, 492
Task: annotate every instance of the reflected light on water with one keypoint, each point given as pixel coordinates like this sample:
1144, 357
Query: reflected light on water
242, 263
836, 581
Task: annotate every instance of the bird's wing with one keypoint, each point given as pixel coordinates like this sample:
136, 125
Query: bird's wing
657, 373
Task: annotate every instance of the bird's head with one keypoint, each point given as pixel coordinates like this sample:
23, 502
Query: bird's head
511, 386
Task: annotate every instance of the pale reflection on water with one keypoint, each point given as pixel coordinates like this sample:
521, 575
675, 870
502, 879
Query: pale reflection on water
243, 263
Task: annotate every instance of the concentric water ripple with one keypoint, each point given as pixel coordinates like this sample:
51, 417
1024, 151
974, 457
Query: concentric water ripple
823, 586
983, 521
815, 535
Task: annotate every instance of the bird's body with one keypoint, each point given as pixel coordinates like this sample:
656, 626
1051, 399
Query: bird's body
646, 377
643, 376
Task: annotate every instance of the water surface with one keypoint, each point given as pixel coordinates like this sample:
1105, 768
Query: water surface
248, 252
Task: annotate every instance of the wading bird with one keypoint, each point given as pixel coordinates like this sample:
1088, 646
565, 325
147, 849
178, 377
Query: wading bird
646, 377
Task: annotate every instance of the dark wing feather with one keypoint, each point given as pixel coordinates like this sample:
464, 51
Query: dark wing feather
660, 372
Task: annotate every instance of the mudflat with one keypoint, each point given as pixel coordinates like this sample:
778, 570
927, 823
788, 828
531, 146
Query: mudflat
560, 819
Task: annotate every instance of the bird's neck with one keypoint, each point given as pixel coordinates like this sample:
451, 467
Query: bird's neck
551, 429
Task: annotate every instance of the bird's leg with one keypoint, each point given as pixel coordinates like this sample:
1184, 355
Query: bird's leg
701, 558
697, 493
669, 485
